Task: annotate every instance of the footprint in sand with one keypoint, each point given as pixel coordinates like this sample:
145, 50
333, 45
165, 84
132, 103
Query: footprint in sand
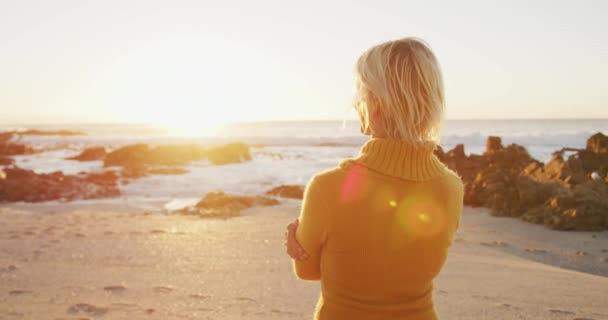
10, 268
199, 296
494, 244
482, 297
245, 299
125, 306
157, 231
80, 235
562, 312
115, 289
534, 250
49, 230
88, 309
19, 292
163, 289
281, 311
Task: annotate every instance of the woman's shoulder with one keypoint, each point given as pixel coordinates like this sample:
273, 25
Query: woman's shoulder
453, 179
329, 175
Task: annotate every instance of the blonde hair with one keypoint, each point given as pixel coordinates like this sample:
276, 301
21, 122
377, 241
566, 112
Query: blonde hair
399, 85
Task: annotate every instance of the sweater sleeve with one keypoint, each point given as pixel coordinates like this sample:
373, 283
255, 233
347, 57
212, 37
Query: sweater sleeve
457, 208
312, 231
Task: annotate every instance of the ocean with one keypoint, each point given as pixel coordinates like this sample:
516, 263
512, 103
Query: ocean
284, 152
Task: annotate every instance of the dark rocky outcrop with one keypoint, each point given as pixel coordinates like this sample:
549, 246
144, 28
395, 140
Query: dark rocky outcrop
90, 154
26, 185
167, 170
8, 147
221, 205
140, 160
6, 161
36, 132
598, 143
287, 191
559, 194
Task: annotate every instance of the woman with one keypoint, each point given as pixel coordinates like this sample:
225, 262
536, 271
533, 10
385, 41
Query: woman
376, 229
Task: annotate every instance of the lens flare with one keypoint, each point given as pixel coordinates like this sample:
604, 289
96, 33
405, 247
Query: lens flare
417, 218
354, 183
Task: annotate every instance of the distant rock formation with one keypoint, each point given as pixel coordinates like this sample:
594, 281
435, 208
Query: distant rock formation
221, 205
10, 148
90, 154
26, 185
559, 194
287, 191
6, 161
139, 160
35, 132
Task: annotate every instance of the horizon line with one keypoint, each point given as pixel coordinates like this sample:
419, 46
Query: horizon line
279, 121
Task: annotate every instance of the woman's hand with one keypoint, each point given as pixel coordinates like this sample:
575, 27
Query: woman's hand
294, 249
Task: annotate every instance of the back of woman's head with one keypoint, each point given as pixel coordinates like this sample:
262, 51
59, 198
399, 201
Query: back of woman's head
400, 91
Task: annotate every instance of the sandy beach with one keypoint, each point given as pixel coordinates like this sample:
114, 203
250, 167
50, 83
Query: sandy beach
89, 261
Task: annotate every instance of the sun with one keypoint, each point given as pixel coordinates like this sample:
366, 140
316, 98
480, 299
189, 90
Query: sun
191, 88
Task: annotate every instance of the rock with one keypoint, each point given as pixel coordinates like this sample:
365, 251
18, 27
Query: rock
26, 185
493, 145
35, 132
141, 154
439, 153
7, 161
129, 156
230, 153
140, 160
288, 191
167, 170
221, 205
598, 143
583, 207
12, 149
9, 148
457, 152
585, 162
214, 200
6, 137
134, 172
90, 154
106, 178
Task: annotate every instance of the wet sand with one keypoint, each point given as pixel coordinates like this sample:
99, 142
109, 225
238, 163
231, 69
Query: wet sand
73, 261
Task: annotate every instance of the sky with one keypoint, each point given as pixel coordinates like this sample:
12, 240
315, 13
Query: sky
204, 62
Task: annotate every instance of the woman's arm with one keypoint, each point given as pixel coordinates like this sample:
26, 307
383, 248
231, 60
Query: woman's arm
294, 249
311, 231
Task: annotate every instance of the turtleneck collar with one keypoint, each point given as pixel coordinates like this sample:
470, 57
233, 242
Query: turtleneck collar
399, 159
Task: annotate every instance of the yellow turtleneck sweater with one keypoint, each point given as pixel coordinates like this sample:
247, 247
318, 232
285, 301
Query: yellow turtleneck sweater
377, 229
